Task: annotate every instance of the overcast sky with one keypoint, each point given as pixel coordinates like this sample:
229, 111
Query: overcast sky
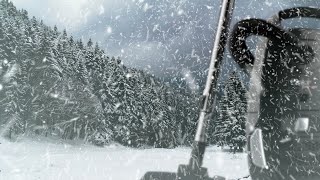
166, 37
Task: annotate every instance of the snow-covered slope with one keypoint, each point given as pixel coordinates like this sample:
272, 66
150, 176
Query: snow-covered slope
32, 159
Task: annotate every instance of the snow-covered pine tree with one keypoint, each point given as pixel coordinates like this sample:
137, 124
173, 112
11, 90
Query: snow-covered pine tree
230, 125
221, 134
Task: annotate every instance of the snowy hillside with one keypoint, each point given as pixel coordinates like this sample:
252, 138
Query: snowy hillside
35, 160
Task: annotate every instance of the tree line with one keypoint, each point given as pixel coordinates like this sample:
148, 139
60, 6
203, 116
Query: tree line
52, 84
55, 85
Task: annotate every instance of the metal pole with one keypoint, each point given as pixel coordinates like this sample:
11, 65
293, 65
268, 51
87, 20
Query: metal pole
209, 93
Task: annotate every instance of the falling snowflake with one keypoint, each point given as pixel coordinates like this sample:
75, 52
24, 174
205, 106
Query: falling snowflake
101, 10
54, 95
268, 3
10, 73
129, 75
109, 30
209, 7
146, 7
180, 12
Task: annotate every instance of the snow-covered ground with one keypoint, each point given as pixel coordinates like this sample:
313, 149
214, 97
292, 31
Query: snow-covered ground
34, 159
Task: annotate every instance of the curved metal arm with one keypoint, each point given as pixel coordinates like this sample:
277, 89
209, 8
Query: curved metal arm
308, 12
245, 28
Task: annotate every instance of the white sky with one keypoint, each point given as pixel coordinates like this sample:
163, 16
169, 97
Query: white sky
68, 14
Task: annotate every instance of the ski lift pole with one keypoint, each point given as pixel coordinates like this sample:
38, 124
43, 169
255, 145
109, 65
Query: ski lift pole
209, 94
